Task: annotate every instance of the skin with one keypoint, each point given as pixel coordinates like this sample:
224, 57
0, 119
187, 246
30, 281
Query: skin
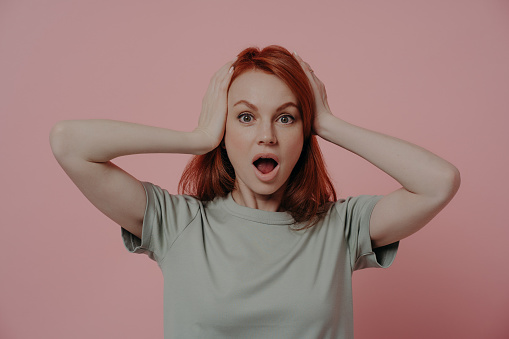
254, 125
84, 149
428, 181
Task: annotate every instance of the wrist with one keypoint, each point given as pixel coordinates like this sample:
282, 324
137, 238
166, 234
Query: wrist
331, 128
323, 122
202, 142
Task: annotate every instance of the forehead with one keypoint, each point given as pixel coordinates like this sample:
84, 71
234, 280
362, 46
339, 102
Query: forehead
259, 87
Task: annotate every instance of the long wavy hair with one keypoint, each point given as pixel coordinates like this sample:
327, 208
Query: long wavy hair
309, 191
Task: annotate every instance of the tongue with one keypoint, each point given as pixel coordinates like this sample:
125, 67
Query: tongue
265, 165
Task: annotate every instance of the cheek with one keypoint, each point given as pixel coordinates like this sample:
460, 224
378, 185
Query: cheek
297, 150
235, 140
231, 137
294, 138
294, 144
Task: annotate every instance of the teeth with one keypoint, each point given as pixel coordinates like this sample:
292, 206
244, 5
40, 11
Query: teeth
265, 158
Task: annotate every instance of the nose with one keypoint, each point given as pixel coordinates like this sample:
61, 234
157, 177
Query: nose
266, 134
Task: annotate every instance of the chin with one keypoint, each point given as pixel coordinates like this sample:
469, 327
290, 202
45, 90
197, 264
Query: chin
267, 189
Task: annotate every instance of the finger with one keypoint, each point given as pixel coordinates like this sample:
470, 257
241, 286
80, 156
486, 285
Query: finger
227, 77
229, 65
227, 68
222, 77
305, 66
223, 70
307, 69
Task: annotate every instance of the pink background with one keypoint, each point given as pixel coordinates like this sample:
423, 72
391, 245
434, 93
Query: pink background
435, 73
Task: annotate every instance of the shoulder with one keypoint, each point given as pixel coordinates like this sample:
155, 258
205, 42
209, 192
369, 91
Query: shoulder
356, 205
162, 193
164, 202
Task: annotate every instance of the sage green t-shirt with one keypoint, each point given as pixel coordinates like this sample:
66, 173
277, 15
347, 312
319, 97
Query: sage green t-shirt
235, 272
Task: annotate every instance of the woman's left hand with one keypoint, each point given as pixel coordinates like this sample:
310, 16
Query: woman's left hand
429, 182
322, 110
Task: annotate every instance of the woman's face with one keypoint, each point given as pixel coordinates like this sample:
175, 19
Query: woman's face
264, 134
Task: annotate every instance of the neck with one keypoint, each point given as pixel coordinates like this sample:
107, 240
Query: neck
264, 202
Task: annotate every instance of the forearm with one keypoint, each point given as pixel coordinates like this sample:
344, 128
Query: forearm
100, 140
416, 169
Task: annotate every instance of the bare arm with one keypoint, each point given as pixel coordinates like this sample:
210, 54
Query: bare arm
84, 149
99, 140
429, 182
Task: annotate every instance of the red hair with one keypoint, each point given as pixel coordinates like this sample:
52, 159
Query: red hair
309, 190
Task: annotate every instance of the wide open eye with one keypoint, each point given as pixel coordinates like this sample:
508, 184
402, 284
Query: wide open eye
286, 119
245, 117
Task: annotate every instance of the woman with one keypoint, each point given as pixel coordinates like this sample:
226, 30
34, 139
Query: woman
259, 247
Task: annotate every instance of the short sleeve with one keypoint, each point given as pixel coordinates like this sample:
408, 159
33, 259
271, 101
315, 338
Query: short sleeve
166, 216
355, 213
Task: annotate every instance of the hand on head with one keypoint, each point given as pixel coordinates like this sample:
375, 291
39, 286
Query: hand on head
211, 124
322, 110
212, 121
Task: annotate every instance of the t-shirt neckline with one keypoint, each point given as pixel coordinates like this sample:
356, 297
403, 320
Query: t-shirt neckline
253, 214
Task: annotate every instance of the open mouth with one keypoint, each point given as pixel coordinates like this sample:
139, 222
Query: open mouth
265, 163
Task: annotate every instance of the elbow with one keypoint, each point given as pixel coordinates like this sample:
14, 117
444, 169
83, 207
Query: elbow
454, 180
57, 138
450, 184
457, 179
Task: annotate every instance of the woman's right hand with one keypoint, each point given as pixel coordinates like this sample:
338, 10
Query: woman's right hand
211, 124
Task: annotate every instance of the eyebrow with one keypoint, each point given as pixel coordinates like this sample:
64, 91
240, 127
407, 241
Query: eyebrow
253, 107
